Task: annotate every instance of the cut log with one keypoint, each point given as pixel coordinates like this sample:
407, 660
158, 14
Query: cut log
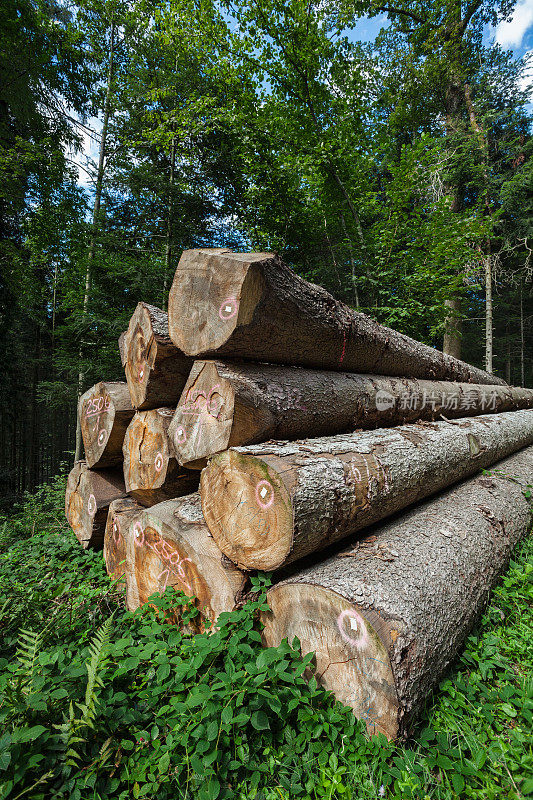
229, 405
251, 306
173, 547
156, 370
105, 411
88, 496
271, 504
387, 617
118, 547
151, 471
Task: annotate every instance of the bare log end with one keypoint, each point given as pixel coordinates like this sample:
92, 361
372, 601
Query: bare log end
213, 293
351, 647
203, 420
247, 509
140, 352
87, 499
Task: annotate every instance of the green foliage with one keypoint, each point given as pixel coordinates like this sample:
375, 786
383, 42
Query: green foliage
97, 702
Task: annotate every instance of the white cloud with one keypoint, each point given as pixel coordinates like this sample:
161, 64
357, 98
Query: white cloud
511, 33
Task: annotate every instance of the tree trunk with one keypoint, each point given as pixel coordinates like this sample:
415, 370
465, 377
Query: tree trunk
156, 370
95, 221
453, 330
173, 547
89, 494
151, 471
226, 404
252, 306
118, 547
522, 367
122, 348
269, 505
386, 618
105, 411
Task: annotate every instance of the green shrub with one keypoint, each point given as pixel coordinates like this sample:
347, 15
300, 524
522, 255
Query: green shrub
96, 702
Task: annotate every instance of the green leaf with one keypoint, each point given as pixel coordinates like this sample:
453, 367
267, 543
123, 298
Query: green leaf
260, 721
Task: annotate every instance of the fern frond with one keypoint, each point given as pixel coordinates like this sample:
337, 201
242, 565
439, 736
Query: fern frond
97, 649
28, 646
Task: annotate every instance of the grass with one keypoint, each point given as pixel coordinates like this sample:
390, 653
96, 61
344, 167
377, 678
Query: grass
99, 703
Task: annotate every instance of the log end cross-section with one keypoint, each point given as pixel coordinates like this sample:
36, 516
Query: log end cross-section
88, 496
105, 411
350, 657
155, 369
151, 472
226, 290
244, 489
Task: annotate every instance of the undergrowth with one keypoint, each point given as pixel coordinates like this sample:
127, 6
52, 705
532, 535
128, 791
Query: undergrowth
96, 702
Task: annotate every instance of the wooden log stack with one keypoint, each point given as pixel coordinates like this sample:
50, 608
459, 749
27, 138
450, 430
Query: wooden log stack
304, 422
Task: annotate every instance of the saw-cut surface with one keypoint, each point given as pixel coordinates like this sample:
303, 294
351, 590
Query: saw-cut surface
105, 411
156, 370
87, 500
173, 547
118, 547
151, 471
387, 616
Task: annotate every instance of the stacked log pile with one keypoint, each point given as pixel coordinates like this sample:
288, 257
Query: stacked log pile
303, 422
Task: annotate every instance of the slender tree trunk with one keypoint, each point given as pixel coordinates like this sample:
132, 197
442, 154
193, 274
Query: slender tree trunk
488, 315
483, 146
95, 222
352, 263
168, 243
522, 370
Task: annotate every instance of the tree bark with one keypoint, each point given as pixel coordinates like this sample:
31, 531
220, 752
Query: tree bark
228, 404
96, 219
89, 494
105, 411
156, 371
173, 547
151, 472
252, 306
453, 329
387, 617
269, 505
118, 547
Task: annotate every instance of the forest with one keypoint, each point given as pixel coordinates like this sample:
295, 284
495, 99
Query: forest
395, 172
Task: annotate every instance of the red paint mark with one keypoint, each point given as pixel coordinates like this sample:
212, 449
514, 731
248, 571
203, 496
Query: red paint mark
343, 346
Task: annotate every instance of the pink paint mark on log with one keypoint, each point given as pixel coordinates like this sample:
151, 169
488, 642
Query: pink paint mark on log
138, 534
180, 437
91, 505
350, 617
228, 308
264, 494
102, 437
158, 464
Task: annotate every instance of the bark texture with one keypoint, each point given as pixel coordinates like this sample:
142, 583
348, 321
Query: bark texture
88, 497
156, 370
151, 472
386, 617
105, 411
252, 306
271, 504
228, 404
118, 547
173, 547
